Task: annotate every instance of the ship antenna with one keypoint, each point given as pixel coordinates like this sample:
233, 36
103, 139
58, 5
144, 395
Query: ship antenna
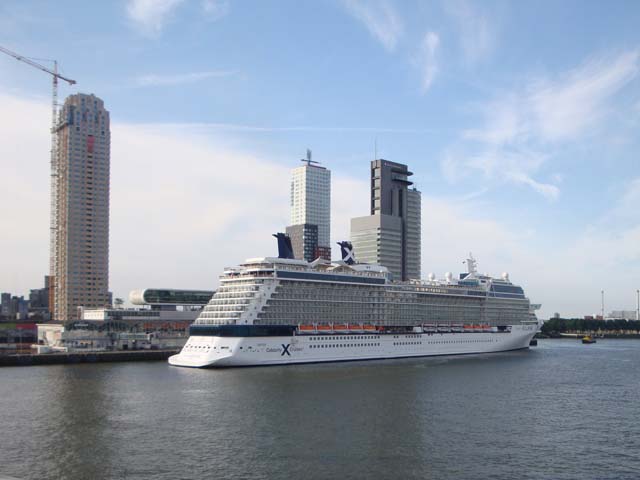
471, 265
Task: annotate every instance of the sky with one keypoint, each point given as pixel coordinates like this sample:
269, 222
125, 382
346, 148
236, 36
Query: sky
520, 121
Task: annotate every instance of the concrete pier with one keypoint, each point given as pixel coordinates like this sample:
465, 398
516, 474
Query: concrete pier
84, 357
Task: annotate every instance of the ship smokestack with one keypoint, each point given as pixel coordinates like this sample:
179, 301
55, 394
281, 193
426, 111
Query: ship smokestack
348, 255
285, 249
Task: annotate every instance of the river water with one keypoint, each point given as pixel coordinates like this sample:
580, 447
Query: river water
560, 410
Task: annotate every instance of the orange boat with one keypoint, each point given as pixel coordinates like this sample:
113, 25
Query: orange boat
341, 327
369, 328
324, 328
306, 329
355, 328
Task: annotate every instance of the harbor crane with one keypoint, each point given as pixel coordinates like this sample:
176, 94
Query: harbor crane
54, 165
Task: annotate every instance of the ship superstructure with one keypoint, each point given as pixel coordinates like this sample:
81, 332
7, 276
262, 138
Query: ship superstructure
281, 310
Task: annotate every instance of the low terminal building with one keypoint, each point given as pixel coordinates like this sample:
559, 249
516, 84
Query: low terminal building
161, 321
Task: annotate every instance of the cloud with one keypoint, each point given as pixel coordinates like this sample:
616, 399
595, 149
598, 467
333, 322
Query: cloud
520, 125
476, 33
427, 60
215, 9
380, 18
565, 107
234, 127
184, 206
150, 16
155, 80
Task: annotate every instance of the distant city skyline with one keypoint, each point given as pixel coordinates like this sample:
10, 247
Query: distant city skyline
524, 139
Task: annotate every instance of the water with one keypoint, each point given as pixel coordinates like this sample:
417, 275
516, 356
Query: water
560, 410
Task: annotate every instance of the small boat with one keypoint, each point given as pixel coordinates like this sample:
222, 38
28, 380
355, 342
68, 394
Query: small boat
306, 329
341, 328
444, 328
456, 327
429, 327
324, 329
355, 328
370, 328
588, 339
468, 328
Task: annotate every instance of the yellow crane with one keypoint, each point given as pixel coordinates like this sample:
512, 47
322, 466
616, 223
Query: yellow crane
54, 167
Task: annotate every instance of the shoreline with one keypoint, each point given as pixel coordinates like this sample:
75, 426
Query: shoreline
26, 360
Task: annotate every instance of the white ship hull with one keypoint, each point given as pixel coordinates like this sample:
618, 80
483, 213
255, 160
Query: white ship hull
213, 351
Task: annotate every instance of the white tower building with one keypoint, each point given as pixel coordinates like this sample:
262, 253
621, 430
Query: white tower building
311, 202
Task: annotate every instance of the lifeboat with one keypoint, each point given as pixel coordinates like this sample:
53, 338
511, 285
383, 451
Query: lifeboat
306, 329
487, 328
429, 327
340, 327
324, 329
456, 327
369, 328
355, 328
468, 328
444, 328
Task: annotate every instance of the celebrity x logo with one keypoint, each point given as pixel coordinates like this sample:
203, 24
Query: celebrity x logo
285, 349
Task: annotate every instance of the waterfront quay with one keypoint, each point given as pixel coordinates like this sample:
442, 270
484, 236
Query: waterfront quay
24, 360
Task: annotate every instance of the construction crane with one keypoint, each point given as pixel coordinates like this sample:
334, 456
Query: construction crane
54, 73
54, 166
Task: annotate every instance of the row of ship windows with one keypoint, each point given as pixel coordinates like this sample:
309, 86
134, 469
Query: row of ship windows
343, 345
333, 339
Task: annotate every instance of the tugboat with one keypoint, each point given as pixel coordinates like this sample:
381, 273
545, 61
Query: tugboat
588, 339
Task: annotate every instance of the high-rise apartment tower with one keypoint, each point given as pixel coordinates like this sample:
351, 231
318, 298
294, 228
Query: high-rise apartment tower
391, 235
81, 235
310, 228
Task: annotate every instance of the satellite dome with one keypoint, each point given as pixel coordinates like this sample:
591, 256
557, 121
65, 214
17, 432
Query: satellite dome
448, 276
431, 277
505, 276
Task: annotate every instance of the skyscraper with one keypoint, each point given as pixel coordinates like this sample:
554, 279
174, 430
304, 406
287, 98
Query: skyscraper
81, 210
310, 228
391, 235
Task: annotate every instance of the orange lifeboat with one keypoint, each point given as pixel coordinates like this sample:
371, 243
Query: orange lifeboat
355, 328
306, 329
341, 327
324, 328
369, 328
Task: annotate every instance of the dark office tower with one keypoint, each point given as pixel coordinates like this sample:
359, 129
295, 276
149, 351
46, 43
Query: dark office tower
391, 235
81, 210
304, 239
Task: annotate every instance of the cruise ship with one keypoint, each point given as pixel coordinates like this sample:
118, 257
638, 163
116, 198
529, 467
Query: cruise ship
274, 311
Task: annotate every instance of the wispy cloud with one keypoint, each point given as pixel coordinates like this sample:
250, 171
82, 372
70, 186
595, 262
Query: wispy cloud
565, 107
154, 80
380, 18
427, 60
150, 16
521, 125
215, 9
476, 32
231, 127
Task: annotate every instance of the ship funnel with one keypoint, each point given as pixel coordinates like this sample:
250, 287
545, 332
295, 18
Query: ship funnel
348, 256
285, 249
